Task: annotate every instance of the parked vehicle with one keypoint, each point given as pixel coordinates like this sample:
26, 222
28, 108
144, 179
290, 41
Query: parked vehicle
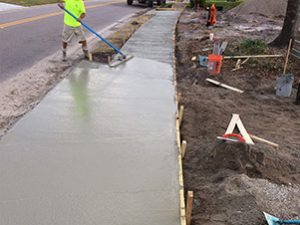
148, 2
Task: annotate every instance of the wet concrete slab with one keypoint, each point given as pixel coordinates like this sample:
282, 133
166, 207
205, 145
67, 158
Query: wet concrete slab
99, 149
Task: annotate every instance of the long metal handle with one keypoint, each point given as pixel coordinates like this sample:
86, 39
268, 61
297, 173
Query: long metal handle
94, 32
289, 222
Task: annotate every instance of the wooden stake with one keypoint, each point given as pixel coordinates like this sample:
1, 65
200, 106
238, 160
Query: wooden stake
178, 97
183, 148
180, 116
189, 207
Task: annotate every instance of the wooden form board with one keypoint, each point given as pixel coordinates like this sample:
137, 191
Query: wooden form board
237, 122
224, 85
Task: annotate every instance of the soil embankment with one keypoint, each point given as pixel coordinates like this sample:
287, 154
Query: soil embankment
234, 183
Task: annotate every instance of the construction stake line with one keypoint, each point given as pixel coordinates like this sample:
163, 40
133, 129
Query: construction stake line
31, 19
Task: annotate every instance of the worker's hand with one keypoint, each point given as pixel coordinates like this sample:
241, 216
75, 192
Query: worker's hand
81, 17
61, 5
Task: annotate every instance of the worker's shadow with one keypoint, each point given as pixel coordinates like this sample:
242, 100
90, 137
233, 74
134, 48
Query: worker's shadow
79, 88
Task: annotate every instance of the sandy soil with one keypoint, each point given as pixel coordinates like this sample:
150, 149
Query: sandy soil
233, 182
270, 8
23, 92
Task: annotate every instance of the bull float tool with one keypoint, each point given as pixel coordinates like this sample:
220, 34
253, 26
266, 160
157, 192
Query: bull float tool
119, 58
272, 220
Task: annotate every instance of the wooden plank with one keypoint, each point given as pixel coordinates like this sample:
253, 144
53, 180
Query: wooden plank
264, 141
223, 47
236, 121
252, 56
244, 132
224, 85
189, 207
232, 123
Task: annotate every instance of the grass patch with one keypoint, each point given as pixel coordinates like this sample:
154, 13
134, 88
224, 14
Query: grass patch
167, 5
221, 4
29, 2
252, 47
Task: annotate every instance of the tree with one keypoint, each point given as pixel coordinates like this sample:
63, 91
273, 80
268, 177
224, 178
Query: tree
290, 24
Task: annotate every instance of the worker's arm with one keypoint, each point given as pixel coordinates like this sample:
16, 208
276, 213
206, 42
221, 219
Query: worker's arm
82, 16
61, 3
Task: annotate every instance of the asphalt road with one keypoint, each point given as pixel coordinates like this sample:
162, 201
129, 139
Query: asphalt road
31, 34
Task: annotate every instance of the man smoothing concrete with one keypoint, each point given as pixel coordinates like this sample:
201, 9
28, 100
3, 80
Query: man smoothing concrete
72, 27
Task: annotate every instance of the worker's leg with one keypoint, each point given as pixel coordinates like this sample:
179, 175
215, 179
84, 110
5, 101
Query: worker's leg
64, 51
85, 49
82, 41
67, 35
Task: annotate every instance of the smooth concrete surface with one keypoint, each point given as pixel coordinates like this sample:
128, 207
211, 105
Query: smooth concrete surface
6, 6
99, 149
155, 40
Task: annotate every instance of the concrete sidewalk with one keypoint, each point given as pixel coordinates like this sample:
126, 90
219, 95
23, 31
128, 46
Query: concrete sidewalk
101, 147
6, 6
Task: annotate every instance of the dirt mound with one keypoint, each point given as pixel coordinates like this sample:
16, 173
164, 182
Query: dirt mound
269, 8
235, 183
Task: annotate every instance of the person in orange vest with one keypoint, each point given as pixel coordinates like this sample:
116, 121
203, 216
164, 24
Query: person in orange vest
212, 16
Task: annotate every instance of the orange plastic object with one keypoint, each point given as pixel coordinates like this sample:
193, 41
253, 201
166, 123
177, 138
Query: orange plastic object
214, 64
213, 15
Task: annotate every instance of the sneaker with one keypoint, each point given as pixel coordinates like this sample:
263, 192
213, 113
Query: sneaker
64, 56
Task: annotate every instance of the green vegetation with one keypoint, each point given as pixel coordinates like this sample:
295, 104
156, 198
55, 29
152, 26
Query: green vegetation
190, 4
29, 2
221, 3
167, 5
252, 47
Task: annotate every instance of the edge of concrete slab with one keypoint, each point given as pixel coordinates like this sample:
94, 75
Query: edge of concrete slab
180, 163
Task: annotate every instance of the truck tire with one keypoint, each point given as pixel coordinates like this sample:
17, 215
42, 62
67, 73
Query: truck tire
129, 2
150, 3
